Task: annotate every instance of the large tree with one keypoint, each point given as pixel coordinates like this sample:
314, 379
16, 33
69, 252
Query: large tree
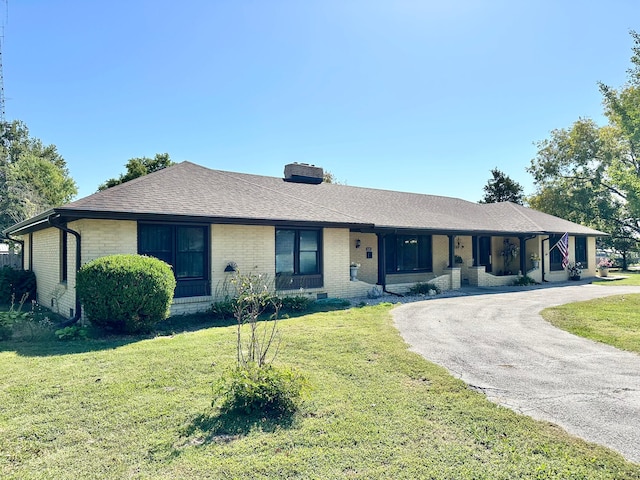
590, 173
137, 167
501, 188
33, 176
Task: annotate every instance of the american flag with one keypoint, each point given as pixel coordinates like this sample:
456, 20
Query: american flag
563, 246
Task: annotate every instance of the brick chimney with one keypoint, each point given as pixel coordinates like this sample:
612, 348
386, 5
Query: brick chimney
303, 173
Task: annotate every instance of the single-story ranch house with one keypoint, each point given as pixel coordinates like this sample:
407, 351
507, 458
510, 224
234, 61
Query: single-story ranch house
301, 232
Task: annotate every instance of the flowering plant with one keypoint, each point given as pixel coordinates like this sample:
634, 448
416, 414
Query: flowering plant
535, 257
509, 252
354, 264
575, 269
605, 263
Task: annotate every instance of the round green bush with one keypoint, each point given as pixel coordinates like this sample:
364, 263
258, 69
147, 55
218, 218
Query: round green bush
126, 293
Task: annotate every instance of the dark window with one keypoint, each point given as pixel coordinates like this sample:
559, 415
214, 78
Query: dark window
298, 258
555, 256
581, 251
64, 263
408, 253
185, 248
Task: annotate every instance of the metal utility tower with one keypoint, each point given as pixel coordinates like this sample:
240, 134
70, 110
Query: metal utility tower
5, 15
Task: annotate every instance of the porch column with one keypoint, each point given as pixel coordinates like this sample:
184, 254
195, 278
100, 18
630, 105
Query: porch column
382, 255
451, 250
475, 247
523, 255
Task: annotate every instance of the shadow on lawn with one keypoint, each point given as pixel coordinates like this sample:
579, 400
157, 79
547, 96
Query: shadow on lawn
226, 427
47, 344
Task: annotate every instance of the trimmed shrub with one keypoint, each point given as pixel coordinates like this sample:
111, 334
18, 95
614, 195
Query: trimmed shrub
524, 281
126, 293
296, 304
16, 283
267, 389
223, 309
424, 289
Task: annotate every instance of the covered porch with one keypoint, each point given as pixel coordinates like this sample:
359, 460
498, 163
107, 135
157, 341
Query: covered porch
397, 260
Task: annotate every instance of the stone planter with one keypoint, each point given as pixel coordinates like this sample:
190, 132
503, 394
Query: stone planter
604, 271
536, 264
353, 271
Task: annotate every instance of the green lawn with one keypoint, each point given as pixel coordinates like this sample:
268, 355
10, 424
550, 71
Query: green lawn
140, 408
633, 278
613, 320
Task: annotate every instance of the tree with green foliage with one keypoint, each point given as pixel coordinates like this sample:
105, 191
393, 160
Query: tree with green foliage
591, 174
33, 176
138, 167
501, 188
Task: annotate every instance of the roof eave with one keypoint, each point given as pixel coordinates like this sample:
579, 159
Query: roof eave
39, 222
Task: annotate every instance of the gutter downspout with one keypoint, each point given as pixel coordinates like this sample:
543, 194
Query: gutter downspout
50, 221
382, 266
542, 259
523, 253
21, 242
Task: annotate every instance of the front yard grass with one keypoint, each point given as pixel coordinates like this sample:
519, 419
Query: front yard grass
136, 407
613, 320
632, 278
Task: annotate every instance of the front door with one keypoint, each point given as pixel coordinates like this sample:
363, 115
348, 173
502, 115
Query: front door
484, 254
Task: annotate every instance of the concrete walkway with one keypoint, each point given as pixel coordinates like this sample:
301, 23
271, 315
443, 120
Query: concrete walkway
499, 344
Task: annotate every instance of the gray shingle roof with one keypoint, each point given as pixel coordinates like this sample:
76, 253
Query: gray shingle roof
190, 190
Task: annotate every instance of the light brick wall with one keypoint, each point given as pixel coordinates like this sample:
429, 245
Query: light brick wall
98, 237
336, 261
252, 248
440, 246
106, 237
368, 271
591, 269
52, 293
25, 252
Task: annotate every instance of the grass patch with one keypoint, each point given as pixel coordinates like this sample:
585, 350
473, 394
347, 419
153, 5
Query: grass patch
139, 407
632, 278
613, 320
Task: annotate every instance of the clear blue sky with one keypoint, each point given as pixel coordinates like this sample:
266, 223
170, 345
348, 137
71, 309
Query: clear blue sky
409, 95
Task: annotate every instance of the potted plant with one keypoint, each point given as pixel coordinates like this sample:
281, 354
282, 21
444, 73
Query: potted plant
575, 270
508, 253
603, 266
353, 270
535, 260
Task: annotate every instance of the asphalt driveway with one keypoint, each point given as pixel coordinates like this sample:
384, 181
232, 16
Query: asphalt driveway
499, 344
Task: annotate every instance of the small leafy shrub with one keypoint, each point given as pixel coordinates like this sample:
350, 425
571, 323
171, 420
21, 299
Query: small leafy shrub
329, 304
424, 288
524, 281
72, 332
223, 309
12, 317
26, 324
250, 388
16, 283
126, 293
254, 384
296, 304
